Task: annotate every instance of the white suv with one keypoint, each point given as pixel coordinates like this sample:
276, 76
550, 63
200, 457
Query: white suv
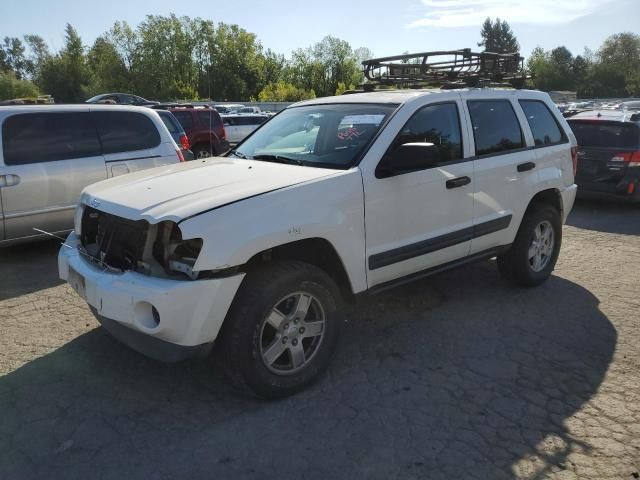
330, 199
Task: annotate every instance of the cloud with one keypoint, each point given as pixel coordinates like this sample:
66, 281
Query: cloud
464, 13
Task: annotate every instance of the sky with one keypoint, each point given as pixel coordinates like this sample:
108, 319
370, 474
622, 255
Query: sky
385, 27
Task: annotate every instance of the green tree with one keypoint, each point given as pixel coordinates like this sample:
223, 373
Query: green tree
108, 70
65, 75
38, 54
13, 57
497, 37
284, 92
12, 87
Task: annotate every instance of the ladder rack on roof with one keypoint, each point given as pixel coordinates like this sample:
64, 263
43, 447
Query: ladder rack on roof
445, 69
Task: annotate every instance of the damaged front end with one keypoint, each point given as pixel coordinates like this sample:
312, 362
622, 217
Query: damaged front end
119, 244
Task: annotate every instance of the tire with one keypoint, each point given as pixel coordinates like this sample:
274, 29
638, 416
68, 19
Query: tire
516, 264
250, 343
202, 151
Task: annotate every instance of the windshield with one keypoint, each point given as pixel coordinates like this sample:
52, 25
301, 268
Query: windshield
329, 136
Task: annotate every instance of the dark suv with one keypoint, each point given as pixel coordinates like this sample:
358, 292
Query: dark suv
608, 154
204, 128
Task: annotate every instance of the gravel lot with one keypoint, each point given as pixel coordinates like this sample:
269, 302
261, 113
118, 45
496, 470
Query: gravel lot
460, 376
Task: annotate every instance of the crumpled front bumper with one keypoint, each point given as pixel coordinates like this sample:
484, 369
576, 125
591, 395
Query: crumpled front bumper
161, 318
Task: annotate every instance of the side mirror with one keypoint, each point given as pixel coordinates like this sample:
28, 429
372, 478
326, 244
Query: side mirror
409, 157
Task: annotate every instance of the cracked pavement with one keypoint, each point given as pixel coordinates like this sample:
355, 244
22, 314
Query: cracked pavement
457, 376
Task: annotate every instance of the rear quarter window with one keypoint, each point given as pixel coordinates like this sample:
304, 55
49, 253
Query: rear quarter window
495, 126
544, 126
126, 131
169, 122
46, 137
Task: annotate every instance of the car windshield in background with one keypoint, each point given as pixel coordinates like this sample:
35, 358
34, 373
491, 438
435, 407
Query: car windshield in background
606, 135
329, 136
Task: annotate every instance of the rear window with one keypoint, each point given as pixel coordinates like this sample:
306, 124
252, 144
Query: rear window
185, 119
495, 126
126, 131
606, 135
544, 127
46, 137
209, 118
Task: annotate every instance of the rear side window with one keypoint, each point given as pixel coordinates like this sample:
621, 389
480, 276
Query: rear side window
606, 134
437, 124
46, 137
126, 131
169, 122
185, 119
544, 126
495, 126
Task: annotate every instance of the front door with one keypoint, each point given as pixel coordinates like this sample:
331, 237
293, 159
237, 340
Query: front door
421, 219
48, 159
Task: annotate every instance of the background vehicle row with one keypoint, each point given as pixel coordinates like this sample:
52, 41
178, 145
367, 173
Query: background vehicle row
50, 153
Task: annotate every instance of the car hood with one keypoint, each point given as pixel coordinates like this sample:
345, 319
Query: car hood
178, 191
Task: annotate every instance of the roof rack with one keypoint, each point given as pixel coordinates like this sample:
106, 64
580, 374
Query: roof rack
446, 69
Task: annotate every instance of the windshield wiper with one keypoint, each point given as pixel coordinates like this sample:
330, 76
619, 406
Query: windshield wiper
278, 159
238, 154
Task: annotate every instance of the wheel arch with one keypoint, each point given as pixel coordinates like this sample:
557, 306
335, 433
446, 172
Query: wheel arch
550, 196
315, 251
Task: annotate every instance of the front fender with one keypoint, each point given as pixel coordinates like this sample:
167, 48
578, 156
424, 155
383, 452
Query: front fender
330, 208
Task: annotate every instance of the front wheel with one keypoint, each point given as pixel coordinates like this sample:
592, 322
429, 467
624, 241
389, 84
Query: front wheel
281, 329
533, 255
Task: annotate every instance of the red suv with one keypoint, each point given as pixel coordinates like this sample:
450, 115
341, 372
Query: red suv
203, 126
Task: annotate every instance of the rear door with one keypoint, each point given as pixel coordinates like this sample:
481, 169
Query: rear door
130, 142
601, 145
504, 169
49, 157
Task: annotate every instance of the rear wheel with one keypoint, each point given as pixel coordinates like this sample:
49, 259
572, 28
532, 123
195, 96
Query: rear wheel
534, 253
202, 151
281, 329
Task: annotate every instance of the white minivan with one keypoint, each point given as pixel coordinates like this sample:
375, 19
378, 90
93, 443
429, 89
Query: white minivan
49, 153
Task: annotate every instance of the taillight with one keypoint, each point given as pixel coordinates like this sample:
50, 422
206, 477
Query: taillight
180, 155
574, 159
224, 134
184, 141
632, 159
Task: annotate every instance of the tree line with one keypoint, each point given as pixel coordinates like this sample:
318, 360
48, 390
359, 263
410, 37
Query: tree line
613, 71
183, 58
170, 57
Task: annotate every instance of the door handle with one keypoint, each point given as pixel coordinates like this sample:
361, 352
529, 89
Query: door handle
458, 182
525, 167
9, 180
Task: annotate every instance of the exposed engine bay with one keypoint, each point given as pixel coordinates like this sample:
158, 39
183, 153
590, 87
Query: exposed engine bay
119, 244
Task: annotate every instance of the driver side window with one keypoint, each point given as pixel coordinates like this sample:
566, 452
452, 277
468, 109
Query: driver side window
438, 124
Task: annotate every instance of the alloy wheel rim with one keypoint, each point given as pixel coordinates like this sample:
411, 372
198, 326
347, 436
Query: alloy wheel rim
541, 246
292, 332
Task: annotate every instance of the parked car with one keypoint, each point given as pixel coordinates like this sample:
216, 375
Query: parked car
260, 250
250, 110
240, 126
228, 108
204, 128
50, 153
630, 105
177, 133
121, 99
608, 154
